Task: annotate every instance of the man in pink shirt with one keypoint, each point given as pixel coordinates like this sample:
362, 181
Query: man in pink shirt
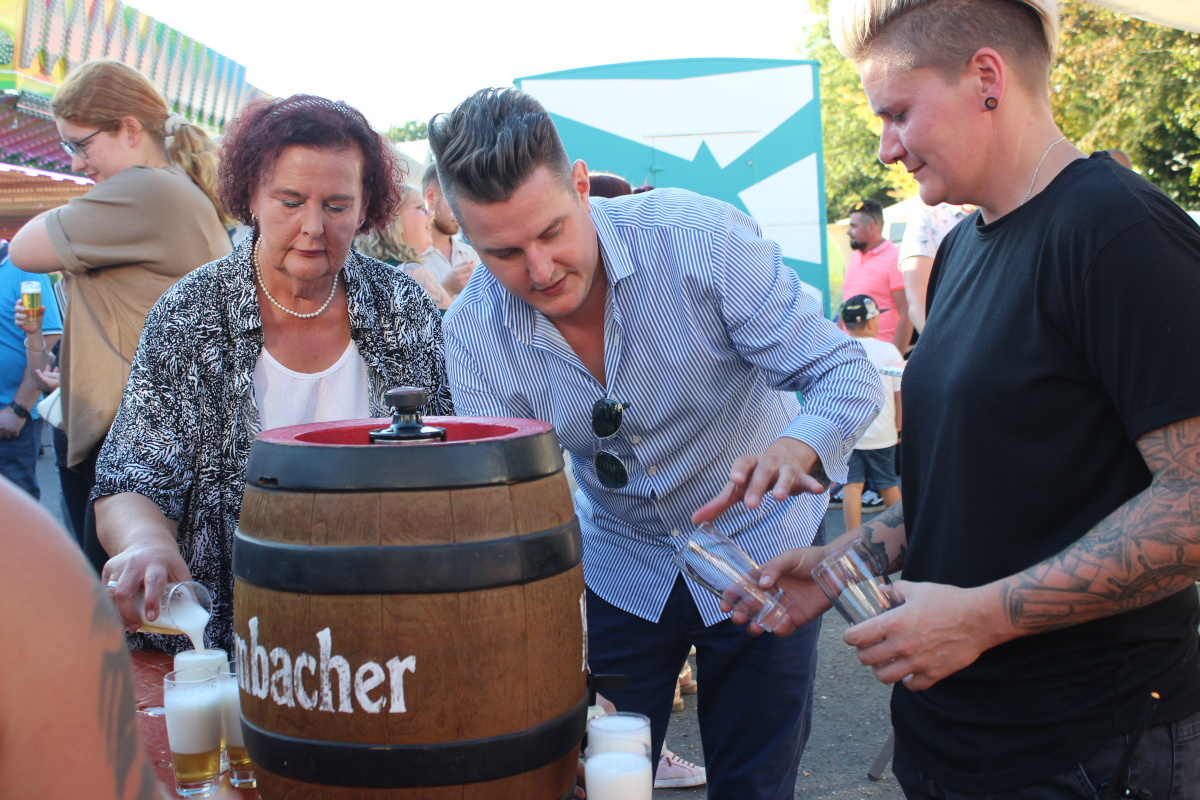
874, 270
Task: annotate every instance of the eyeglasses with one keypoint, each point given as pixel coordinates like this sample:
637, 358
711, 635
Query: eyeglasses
606, 421
76, 148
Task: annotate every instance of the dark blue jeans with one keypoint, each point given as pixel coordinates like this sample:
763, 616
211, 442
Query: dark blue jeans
18, 457
755, 694
1166, 762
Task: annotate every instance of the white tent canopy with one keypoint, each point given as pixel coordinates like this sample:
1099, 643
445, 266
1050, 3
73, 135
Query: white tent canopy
1181, 14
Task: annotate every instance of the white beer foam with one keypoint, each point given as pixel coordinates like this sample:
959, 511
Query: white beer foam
193, 719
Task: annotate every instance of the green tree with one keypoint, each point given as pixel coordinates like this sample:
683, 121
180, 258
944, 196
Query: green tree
1121, 82
410, 131
1118, 82
850, 132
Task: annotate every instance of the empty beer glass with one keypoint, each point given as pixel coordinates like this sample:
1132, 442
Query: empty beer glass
241, 771
192, 701
856, 583
714, 561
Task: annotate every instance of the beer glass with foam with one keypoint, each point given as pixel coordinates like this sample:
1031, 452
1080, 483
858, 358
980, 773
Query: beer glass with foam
192, 700
626, 773
241, 771
213, 659
31, 298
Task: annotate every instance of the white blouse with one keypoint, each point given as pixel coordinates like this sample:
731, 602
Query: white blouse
285, 397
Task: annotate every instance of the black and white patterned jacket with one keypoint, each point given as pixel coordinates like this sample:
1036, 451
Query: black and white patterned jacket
188, 416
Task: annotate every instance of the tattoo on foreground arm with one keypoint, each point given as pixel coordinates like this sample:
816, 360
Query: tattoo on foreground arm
1146, 550
118, 720
884, 532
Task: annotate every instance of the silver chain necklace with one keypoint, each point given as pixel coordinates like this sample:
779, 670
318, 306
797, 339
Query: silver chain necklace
1039, 169
258, 274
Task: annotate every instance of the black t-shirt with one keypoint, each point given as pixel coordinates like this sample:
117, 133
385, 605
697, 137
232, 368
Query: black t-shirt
1056, 336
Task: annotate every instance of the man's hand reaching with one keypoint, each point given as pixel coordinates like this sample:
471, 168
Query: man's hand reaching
784, 469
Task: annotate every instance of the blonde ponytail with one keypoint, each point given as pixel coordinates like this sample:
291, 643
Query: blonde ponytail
101, 93
190, 148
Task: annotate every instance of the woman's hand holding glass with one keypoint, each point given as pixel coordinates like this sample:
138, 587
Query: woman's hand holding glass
149, 567
147, 554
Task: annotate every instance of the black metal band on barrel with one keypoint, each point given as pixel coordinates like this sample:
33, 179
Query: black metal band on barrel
388, 766
382, 467
399, 569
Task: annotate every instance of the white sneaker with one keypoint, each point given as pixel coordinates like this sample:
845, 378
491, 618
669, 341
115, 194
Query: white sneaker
675, 773
872, 502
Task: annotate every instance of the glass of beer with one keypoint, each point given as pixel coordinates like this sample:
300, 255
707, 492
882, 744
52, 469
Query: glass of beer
241, 771
192, 700
617, 731
183, 608
31, 297
213, 659
622, 774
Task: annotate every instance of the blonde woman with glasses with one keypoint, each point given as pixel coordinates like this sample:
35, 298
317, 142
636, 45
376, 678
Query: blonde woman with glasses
152, 217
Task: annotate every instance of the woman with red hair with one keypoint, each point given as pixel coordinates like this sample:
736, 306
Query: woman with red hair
293, 327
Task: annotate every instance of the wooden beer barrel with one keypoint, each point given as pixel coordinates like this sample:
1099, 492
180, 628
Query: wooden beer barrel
409, 618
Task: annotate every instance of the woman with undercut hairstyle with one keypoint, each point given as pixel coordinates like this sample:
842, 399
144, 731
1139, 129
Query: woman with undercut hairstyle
1057, 367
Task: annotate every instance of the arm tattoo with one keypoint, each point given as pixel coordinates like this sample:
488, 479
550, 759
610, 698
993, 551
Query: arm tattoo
1146, 550
886, 537
118, 719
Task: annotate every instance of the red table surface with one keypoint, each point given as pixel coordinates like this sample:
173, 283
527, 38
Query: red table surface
149, 667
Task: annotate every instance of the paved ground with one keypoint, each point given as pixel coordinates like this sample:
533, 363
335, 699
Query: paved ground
850, 712
850, 723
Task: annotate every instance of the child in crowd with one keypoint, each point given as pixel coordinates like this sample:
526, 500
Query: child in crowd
875, 453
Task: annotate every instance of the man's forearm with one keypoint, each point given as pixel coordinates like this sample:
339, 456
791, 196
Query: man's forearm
1146, 550
27, 394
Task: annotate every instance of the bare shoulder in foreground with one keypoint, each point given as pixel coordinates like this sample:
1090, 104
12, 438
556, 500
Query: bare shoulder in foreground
66, 702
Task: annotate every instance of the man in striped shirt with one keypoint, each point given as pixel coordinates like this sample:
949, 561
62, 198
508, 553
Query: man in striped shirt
672, 309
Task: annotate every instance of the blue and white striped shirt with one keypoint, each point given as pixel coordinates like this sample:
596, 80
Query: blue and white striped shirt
707, 335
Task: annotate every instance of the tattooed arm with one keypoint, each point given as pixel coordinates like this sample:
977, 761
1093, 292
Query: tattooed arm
67, 700
792, 569
1146, 550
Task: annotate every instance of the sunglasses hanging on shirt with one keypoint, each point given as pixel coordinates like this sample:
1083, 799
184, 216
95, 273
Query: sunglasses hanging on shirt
607, 416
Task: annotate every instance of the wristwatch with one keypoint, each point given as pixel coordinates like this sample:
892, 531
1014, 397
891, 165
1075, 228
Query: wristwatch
18, 409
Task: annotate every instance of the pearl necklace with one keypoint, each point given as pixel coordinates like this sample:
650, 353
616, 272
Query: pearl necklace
1039, 169
258, 274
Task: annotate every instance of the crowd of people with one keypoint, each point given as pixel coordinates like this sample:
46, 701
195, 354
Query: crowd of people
666, 341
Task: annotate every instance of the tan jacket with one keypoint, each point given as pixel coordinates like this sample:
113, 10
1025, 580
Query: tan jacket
125, 243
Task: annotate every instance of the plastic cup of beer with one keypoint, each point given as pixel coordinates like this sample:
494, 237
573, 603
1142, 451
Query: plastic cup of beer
213, 659
856, 583
622, 730
241, 771
31, 298
713, 560
192, 701
183, 608
624, 774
